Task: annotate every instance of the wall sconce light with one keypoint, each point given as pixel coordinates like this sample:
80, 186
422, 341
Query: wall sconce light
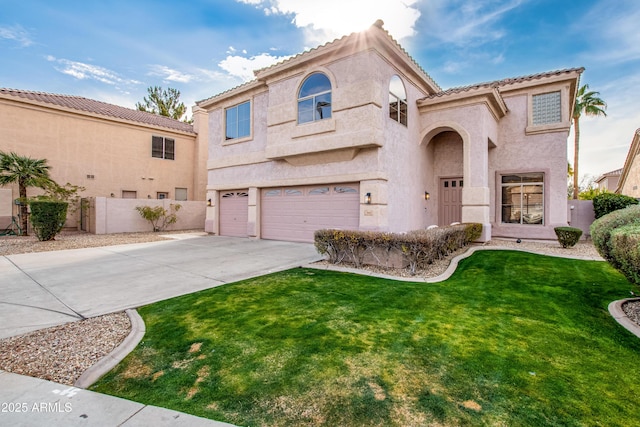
427, 196
113, 195
367, 198
209, 202
148, 196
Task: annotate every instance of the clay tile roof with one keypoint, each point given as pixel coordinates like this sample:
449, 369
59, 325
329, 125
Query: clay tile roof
102, 108
506, 82
378, 24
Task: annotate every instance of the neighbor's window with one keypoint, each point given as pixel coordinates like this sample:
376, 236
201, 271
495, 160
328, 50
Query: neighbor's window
162, 195
546, 108
163, 148
181, 194
314, 99
126, 194
397, 101
238, 121
523, 198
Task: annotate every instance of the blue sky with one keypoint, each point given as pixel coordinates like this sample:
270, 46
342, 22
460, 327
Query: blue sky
112, 51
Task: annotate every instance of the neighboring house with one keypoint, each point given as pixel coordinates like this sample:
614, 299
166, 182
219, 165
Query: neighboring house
110, 150
608, 181
629, 183
355, 134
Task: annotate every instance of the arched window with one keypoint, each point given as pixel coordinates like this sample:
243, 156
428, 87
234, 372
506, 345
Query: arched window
314, 99
397, 100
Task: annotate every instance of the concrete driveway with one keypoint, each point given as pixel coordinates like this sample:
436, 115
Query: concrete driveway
50, 288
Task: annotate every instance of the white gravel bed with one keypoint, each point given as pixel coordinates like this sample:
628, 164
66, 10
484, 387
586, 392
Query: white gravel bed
62, 353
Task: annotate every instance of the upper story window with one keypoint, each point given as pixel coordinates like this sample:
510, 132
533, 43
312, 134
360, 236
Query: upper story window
547, 108
314, 99
163, 148
238, 121
397, 101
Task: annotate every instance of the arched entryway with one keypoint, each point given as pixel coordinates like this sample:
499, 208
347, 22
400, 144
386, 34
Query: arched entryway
445, 172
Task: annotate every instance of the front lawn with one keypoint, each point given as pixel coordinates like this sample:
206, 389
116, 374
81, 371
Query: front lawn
511, 339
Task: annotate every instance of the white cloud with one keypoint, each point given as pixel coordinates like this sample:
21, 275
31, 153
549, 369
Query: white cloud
613, 31
170, 75
326, 20
461, 22
242, 67
82, 71
17, 34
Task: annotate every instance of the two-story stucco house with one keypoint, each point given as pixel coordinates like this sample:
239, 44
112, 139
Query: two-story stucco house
111, 151
355, 134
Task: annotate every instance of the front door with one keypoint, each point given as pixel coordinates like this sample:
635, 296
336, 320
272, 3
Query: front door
450, 203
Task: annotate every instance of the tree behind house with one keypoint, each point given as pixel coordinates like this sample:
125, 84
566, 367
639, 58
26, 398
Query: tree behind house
163, 103
588, 103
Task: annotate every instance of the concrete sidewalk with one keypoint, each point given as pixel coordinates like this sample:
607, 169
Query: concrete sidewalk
32, 402
44, 289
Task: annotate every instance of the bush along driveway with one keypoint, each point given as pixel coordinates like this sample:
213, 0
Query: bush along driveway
510, 339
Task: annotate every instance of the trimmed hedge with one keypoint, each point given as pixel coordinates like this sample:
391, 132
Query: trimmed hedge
606, 203
602, 228
47, 218
625, 249
420, 247
568, 236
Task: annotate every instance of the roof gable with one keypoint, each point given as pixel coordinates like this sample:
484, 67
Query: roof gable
100, 108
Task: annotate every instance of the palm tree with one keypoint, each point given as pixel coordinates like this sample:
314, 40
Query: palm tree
590, 104
27, 172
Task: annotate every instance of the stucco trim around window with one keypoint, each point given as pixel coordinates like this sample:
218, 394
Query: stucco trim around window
564, 122
237, 122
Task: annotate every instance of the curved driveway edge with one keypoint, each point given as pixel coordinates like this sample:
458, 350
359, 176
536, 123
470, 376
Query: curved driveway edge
108, 362
615, 309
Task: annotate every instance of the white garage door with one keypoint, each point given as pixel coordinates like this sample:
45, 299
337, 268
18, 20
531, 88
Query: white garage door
295, 213
234, 213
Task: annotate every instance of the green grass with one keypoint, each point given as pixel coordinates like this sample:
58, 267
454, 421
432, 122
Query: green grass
512, 339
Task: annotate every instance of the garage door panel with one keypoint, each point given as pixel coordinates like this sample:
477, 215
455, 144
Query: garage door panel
234, 213
295, 213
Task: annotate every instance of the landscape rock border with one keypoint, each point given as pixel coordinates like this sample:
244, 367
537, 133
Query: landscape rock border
108, 362
617, 312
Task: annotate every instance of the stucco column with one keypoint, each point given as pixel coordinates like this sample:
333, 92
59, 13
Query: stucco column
253, 223
213, 212
476, 197
373, 215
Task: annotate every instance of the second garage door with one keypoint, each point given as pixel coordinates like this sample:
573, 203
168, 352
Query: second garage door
295, 213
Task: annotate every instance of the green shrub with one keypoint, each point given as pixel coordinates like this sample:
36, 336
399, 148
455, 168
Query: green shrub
158, 216
602, 228
47, 218
606, 203
625, 249
419, 247
568, 236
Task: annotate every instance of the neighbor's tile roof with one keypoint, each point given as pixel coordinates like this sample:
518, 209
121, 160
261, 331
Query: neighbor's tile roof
102, 108
505, 82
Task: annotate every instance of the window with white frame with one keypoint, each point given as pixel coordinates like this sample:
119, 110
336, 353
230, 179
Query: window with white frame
546, 108
163, 148
314, 99
523, 198
397, 101
238, 121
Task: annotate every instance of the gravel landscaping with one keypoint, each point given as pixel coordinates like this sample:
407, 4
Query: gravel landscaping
63, 353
